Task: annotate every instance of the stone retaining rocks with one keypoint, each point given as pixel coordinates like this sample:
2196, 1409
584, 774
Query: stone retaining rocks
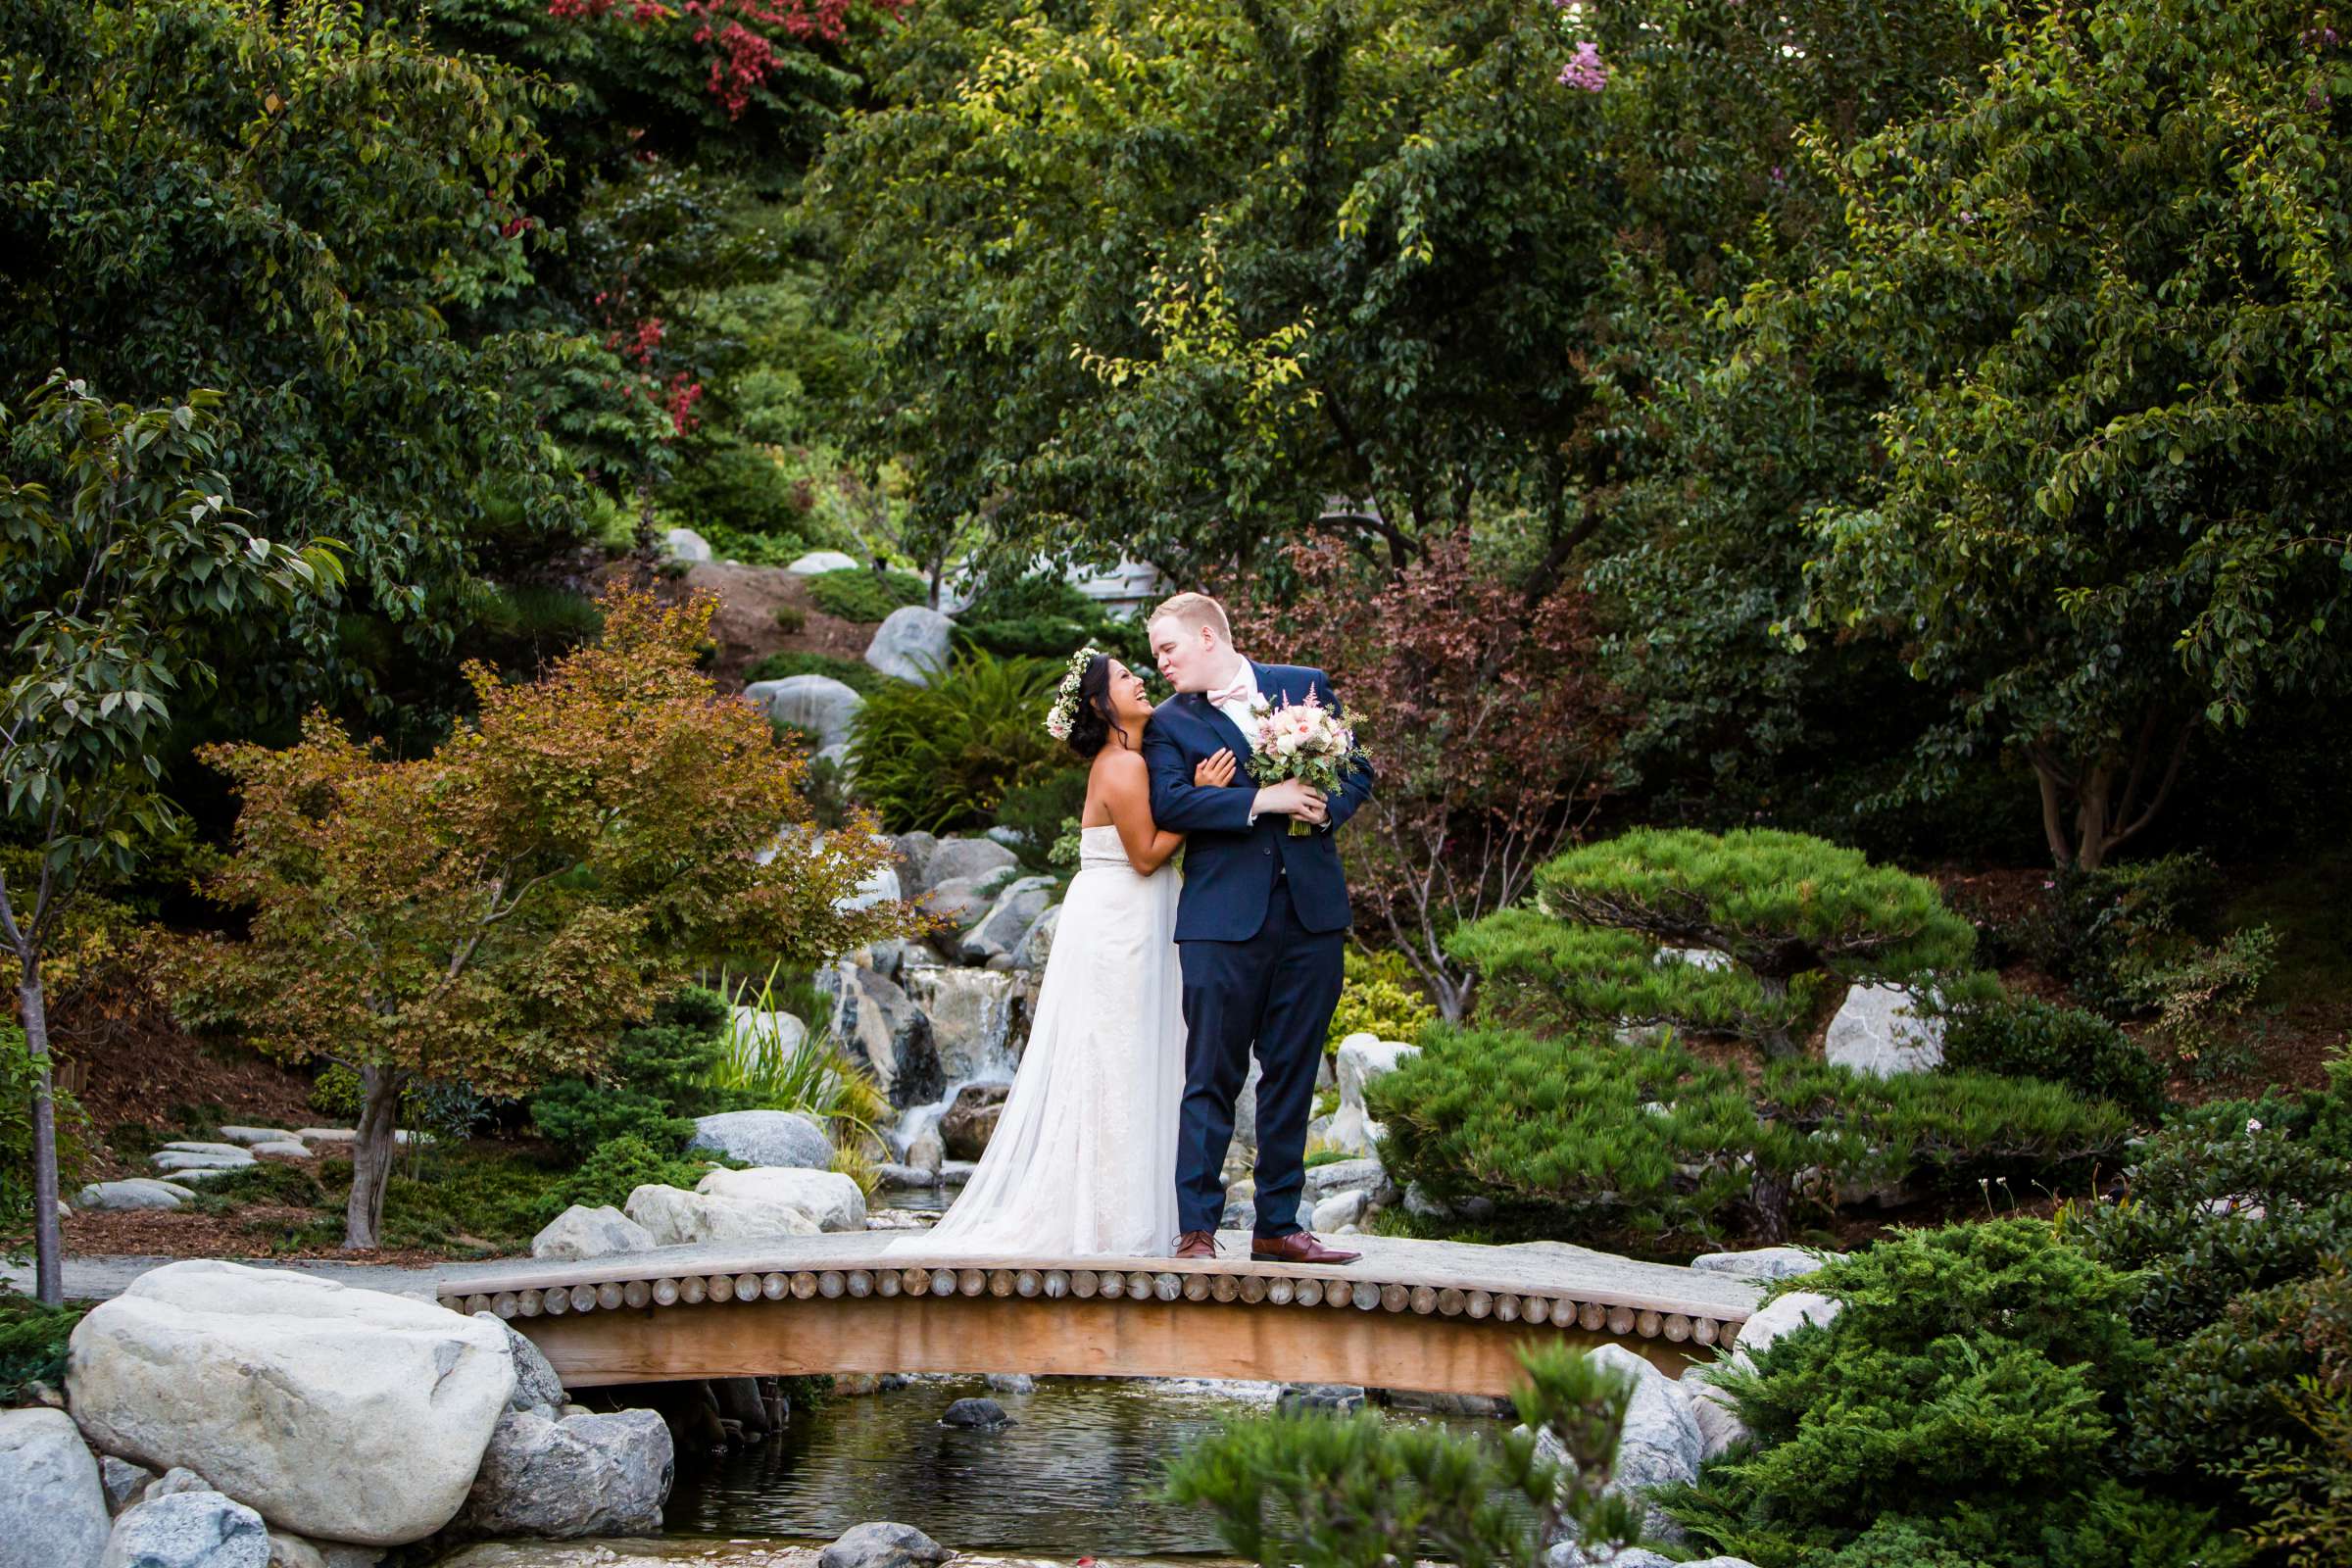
53, 1507
580, 1233
137, 1192
188, 1530
675, 1217
585, 1475
883, 1546
959, 901
764, 1138
1037, 945
122, 1482
910, 644
832, 1199
1366, 1176
883, 1031
339, 1413
1876, 1031
1338, 1211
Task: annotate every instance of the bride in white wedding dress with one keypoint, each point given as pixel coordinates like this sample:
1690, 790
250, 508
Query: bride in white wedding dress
1083, 1160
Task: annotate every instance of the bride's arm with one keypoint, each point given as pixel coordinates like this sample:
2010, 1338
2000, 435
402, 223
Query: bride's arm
1127, 792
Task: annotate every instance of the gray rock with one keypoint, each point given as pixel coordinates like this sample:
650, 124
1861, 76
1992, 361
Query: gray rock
817, 704
1720, 1428
536, 1385
53, 1507
817, 563
188, 1530
832, 1199
187, 1160
1339, 1399
1366, 1176
176, 1480
914, 855
1011, 1383
337, 1413
976, 1018
586, 1475
980, 1415
292, 1551
926, 1153
1876, 1031
910, 644
1001, 930
684, 544
1340, 1208
879, 885
1012, 838
257, 1135
284, 1147
955, 859
679, 1218
138, 1192
1570, 1554
1241, 1208
764, 1138
890, 1173
883, 1546
581, 1232
1764, 1262
959, 901
1362, 1057
967, 1126
956, 1172
125, 1482
878, 1026
1783, 1315
1487, 1406
1037, 944
1660, 1443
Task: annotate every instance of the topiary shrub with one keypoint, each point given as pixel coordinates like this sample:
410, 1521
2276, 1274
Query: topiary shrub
652, 1085
1612, 1142
1961, 1409
2025, 1037
1381, 997
943, 756
1783, 908
856, 593
855, 674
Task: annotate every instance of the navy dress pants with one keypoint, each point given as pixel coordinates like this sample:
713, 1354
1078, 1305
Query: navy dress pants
1274, 993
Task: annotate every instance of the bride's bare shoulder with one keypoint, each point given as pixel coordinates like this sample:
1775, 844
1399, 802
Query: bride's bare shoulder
1115, 764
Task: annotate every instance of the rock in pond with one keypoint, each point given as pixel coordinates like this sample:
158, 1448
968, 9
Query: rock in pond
340, 1413
764, 1138
52, 1503
585, 1475
1339, 1399
910, 644
978, 1415
967, 1126
580, 1232
832, 1199
883, 1546
188, 1530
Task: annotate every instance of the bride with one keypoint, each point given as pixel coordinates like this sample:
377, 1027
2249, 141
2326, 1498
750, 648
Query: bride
1083, 1160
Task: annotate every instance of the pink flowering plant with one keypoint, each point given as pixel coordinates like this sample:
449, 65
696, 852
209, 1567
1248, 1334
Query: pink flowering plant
1301, 739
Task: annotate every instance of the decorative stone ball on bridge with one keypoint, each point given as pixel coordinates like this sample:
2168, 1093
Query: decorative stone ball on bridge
910, 644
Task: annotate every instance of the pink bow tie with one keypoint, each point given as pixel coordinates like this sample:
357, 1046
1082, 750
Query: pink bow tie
1241, 688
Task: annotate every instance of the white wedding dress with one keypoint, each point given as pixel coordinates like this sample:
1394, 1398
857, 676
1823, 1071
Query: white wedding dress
1083, 1160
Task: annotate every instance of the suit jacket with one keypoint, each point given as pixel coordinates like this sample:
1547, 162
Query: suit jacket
1228, 865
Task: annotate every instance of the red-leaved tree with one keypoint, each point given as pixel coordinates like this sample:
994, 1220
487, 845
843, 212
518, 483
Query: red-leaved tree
1483, 715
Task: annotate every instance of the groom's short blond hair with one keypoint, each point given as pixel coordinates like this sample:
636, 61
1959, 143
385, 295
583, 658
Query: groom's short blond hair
1192, 612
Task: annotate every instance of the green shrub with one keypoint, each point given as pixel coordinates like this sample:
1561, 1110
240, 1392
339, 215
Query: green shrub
1381, 997
267, 1182
1787, 910
335, 1095
1042, 617
856, 593
2300, 1485
2024, 1036
616, 1169
1037, 812
1608, 1142
1955, 1412
727, 486
943, 756
653, 1086
32, 1343
2146, 940
855, 674
790, 618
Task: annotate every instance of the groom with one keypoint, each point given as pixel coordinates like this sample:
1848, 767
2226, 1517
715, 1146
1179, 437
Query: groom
1260, 926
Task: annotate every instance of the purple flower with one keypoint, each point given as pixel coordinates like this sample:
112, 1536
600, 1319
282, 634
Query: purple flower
1780, 176
1585, 73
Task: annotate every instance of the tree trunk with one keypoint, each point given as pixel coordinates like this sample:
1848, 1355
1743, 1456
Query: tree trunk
1777, 1039
49, 1284
1768, 1191
372, 1154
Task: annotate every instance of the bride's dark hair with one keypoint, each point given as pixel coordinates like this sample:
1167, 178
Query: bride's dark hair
1091, 725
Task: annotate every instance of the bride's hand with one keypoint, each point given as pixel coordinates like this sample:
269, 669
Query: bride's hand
1217, 773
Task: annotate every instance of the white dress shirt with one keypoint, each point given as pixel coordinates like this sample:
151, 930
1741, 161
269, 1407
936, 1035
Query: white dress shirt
1238, 710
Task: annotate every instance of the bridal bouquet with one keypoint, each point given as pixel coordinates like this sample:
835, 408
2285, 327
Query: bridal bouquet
1300, 740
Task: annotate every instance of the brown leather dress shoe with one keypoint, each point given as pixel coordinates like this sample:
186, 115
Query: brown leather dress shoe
1299, 1246
1196, 1243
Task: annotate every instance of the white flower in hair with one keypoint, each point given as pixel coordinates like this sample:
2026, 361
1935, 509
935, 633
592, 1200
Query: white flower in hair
1065, 710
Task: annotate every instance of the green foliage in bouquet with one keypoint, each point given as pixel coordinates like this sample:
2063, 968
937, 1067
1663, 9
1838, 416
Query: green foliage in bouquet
1361, 1492
1612, 1142
943, 756
1784, 908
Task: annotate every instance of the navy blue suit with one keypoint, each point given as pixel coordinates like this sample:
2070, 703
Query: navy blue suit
1260, 927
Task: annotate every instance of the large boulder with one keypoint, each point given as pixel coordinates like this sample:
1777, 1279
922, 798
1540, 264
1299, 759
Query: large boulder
1877, 1031
967, 1126
1362, 1057
537, 1385
960, 903
52, 1503
1720, 1428
881, 1029
585, 1475
675, 1217
188, 1530
1366, 1176
914, 855
1660, 1444
684, 544
137, 1192
881, 885
764, 1138
975, 1016
581, 1232
1783, 1314
750, 1032
883, 1546
1037, 943
832, 1199
1008, 920
955, 859
817, 563
823, 707
910, 644
338, 1413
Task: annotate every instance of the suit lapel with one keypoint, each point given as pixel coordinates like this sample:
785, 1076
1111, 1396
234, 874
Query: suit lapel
1228, 733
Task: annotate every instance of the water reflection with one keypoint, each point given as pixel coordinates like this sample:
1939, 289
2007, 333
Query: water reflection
1078, 1475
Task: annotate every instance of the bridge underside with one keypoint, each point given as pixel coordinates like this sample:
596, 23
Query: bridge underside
1430, 1315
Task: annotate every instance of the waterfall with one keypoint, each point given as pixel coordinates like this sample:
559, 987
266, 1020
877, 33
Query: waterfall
979, 1023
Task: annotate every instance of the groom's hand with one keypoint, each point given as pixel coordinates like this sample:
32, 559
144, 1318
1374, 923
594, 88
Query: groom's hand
1293, 796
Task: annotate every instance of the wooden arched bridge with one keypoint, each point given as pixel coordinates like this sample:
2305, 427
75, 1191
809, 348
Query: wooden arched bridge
1441, 1316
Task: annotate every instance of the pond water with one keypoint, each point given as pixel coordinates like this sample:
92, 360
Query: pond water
1077, 1475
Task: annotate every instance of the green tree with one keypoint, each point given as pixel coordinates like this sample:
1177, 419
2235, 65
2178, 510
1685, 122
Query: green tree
2111, 294
119, 551
497, 912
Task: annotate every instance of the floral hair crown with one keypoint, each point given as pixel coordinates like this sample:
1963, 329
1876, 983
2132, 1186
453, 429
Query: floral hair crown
1065, 710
